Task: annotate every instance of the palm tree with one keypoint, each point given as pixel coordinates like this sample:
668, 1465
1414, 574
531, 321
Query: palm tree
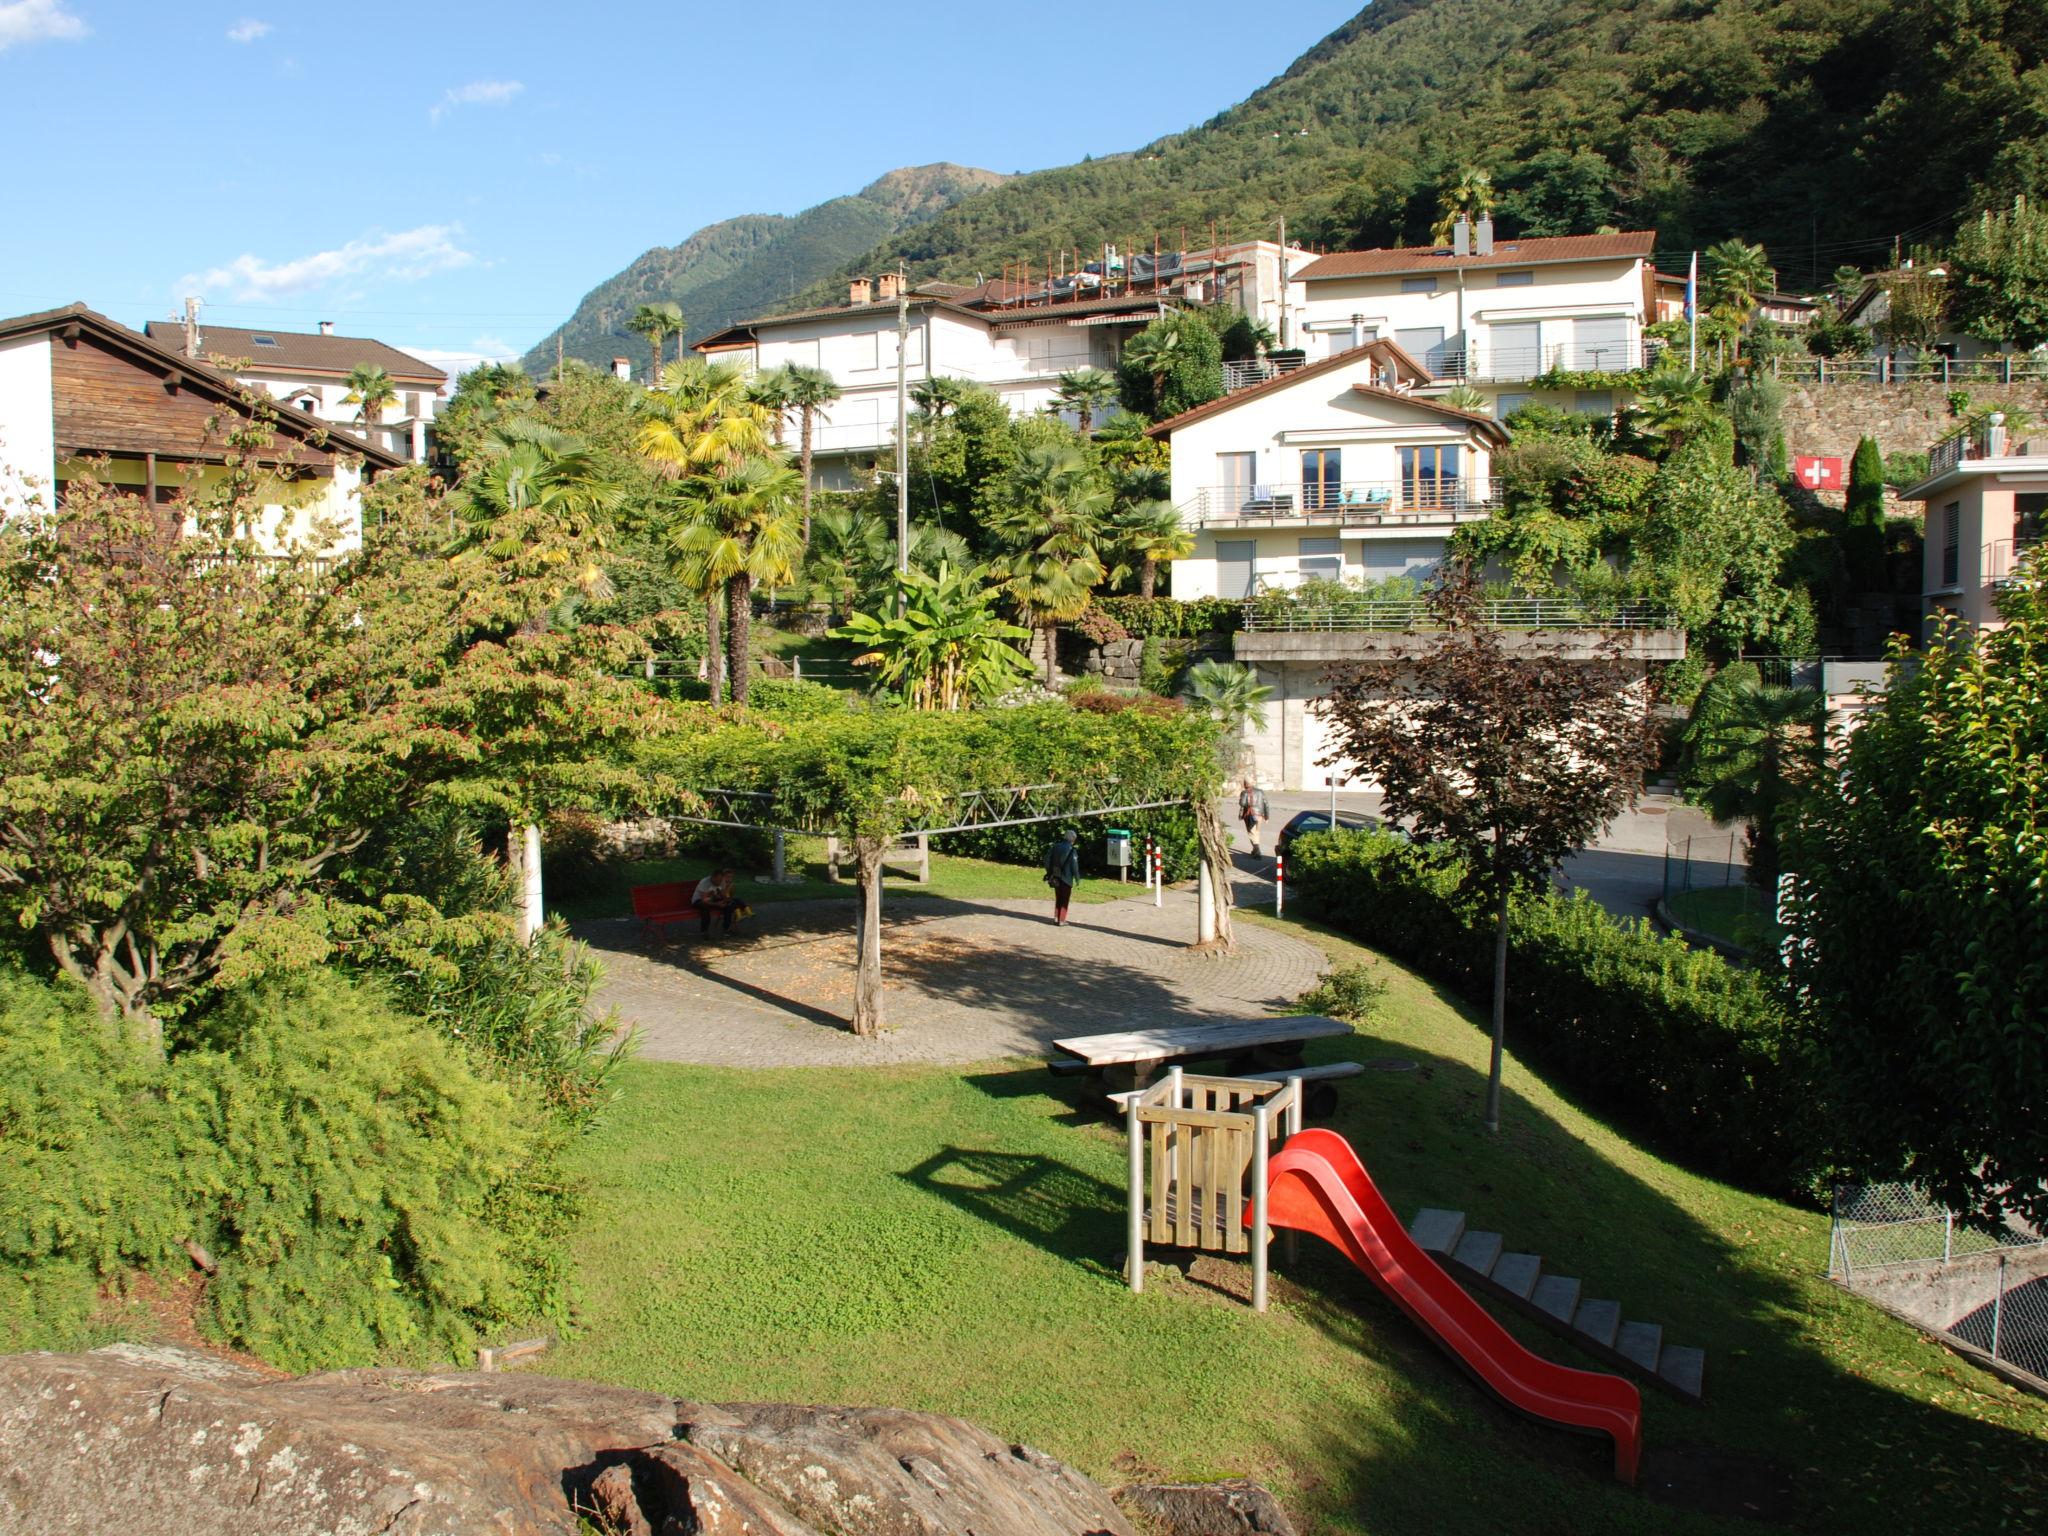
657, 322
738, 530
939, 394
369, 389
1754, 747
537, 495
845, 557
810, 391
1149, 532
1085, 391
1738, 276
1467, 195
1463, 397
1669, 402
1051, 519
1153, 353
1228, 692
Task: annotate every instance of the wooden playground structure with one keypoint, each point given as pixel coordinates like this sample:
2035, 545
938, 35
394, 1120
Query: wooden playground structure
1192, 1140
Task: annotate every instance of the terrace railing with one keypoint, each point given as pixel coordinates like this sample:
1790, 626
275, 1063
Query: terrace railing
2007, 368
2002, 558
1243, 375
1354, 503
1487, 363
1279, 615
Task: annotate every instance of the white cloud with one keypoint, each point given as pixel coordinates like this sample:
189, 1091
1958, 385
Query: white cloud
247, 30
38, 21
404, 257
478, 93
456, 361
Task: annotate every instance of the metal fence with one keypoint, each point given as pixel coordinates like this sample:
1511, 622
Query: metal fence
1282, 613
1879, 1229
1920, 369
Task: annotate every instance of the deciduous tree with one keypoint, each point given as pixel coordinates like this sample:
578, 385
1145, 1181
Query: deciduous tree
1515, 759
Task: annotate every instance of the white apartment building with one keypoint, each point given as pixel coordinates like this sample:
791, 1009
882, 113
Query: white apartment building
310, 373
1012, 336
1493, 314
1342, 469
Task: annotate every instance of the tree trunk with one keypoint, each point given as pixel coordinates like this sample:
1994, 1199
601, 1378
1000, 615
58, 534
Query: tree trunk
714, 647
739, 597
654, 378
1500, 1009
1215, 854
1087, 422
1052, 655
867, 938
804, 465
1148, 575
532, 908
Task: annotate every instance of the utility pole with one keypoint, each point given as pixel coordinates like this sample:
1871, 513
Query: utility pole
902, 427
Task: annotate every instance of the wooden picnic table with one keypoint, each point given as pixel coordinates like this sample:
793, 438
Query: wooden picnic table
1139, 1054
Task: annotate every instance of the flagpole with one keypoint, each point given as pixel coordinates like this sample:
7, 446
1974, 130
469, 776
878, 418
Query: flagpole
1692, 314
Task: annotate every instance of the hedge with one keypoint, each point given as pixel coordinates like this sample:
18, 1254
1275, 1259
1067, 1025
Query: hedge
1688, 1050
1171, 619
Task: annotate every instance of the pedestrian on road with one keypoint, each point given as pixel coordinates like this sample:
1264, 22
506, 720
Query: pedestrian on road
1251, 810
1062, 873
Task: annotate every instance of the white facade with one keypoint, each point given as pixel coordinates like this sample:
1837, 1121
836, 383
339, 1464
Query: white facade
1338, 471
401, 429
28, 452
1495, 321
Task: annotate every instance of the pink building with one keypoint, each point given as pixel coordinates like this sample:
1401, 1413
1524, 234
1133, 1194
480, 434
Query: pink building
1986, 495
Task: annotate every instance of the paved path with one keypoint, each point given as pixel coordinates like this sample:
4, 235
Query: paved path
964, 980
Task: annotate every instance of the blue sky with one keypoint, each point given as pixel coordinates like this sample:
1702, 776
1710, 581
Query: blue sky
453, 177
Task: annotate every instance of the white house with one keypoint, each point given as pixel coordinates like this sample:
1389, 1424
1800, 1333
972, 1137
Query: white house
309, 371
82, 395
1494, 314
1343, 469
1013, 335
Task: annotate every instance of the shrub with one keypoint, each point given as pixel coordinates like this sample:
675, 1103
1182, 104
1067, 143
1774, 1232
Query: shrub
575, 855
791, 698
1172, 618
1352, 994
1101, 626
1686, 1048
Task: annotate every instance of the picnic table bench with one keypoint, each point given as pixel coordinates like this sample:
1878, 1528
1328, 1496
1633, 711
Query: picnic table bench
1131, 1058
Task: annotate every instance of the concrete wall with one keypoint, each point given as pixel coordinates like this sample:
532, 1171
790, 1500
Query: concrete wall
28, 450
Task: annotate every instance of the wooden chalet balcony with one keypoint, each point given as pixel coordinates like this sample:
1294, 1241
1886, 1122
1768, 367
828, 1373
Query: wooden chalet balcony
1352, 504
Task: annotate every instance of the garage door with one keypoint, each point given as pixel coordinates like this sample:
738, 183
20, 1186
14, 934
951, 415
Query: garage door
1321, 755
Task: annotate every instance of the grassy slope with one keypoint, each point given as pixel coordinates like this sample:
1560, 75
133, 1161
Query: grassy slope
947, 1241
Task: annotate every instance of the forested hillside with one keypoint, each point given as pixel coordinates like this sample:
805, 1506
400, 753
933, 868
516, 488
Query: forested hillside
758, 261
1823, 128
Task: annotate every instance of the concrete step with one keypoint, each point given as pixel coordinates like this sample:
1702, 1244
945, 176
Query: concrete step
1517, 1274
1640, 1344
1558, 1295
1684, 1369
1478, 1251
1598, 1321
1437, 1231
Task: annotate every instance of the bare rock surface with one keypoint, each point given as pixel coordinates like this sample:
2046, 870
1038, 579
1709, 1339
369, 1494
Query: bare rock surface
177, 1440
1231, 1508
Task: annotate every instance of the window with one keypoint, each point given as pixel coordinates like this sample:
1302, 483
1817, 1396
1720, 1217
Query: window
1507, 405
264, 341
412, 402
1418, 284
1235, 559
1322, 478
1321, 560
1514, 280
1429, 476
1425, 345
1952, 544
1513, 351
1599, 345
1593, 402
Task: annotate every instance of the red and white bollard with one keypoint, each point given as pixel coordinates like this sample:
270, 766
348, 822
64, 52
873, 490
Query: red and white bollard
1158, 877
1279, 884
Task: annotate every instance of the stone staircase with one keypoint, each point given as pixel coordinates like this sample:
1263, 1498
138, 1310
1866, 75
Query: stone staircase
1479, 1262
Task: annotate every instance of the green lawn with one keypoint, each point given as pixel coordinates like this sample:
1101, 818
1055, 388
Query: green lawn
947, 1240
1731, 913
962, 879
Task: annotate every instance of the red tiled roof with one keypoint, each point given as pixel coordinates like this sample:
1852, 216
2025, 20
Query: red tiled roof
1380, 347
1631, 246
297, 351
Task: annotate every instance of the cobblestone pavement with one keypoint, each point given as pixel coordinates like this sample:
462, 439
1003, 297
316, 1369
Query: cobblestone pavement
963, 980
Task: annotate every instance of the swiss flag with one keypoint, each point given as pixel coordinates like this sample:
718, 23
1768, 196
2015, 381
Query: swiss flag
1817, 474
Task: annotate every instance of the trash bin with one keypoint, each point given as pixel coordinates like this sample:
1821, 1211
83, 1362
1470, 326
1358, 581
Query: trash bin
1118, 853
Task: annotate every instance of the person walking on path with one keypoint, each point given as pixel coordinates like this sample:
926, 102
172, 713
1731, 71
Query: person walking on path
1251, 810
1062, 873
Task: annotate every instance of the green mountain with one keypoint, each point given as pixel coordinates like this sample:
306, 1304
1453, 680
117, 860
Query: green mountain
1823, 128
756, 262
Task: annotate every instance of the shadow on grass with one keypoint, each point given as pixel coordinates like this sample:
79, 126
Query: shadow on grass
1070, 1214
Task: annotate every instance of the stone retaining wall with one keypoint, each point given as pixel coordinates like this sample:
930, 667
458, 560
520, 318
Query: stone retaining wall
1827, 419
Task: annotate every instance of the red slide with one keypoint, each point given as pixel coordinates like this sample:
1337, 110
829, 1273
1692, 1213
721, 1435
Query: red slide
1316, 1184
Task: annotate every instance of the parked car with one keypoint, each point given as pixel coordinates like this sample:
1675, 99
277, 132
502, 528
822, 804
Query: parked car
1304, 822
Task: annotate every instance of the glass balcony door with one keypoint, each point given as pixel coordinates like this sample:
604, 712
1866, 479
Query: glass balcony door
1322, 478
1429, 477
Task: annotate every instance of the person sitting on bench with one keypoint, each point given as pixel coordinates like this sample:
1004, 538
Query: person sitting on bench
714, 897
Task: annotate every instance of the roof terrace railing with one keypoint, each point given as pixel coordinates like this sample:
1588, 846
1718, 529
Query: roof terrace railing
1268, 616
1351, 503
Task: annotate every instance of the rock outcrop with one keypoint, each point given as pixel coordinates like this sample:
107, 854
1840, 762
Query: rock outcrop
171, 1440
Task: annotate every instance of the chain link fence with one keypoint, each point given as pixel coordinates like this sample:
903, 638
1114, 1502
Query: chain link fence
1989, 1289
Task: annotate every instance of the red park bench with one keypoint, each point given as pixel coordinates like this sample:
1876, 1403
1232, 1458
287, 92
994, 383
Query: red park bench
657, 906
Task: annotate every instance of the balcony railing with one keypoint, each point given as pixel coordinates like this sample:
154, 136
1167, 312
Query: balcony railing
1352, 504
1483, 361
2002, 558
1271, 614
1983, 443
1243, 375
